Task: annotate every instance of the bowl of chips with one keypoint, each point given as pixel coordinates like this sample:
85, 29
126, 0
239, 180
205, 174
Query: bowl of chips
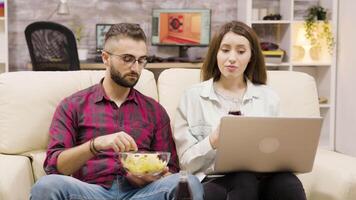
142, 163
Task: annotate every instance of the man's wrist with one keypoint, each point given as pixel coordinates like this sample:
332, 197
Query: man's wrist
92, 147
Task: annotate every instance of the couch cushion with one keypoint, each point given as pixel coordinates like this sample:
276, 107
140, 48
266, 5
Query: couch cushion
16, 177
296, 90
333, 177
171, 84
298, 93
28, 101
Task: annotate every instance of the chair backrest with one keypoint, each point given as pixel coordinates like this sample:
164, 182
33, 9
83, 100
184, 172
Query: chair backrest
52, 47
296, 90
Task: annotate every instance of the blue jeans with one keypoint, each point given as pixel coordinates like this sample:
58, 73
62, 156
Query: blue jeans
60, 187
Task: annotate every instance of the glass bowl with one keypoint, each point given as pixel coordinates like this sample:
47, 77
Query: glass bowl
144, 163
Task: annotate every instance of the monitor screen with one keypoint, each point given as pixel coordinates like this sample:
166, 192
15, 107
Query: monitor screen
182, 27
101, 30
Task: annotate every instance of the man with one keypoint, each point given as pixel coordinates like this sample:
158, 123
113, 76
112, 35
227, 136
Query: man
92, 125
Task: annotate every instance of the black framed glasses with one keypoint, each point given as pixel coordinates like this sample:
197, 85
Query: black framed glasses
129, 59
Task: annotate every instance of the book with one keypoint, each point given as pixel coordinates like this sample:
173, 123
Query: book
273, 56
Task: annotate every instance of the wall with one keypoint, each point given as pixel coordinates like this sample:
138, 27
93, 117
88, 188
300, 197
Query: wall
91, 12
346, 76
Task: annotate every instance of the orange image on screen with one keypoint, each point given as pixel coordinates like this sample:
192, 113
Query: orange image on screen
180, 28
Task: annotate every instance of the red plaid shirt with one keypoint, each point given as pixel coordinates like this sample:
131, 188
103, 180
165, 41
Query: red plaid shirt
89, 113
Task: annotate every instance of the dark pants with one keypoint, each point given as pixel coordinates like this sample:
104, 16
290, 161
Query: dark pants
254, 186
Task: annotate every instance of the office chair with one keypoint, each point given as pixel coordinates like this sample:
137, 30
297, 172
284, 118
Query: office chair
52, 47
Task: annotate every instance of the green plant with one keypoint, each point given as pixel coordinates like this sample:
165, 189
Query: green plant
315, 19
79, 32
78, 29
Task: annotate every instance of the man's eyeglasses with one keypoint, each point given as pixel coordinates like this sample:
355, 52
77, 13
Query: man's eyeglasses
129, 59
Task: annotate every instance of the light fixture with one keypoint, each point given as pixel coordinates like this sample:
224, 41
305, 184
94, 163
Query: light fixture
63, 8
304, 42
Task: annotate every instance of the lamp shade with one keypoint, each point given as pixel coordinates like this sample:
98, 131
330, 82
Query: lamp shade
63, 8
301, 39
304, 42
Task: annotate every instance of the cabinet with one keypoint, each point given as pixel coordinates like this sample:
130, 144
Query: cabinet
289, 34
4, 66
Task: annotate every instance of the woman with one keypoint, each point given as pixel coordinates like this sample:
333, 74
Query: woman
234, 79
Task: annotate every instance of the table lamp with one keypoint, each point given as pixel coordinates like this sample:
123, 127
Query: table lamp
304, 42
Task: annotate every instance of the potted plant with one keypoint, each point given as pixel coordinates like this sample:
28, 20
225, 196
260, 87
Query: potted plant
79, 33
317, 27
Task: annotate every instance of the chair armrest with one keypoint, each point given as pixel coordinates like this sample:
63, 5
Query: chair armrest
333, 177
16, 178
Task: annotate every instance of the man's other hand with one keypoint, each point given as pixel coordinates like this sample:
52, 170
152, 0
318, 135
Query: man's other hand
140, 181
120, 142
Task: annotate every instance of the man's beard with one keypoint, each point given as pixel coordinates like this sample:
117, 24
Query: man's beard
119, 79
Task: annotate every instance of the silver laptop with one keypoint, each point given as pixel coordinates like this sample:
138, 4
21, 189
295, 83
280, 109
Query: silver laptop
266, 144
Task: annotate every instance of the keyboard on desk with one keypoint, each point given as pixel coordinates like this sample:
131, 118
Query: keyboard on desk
98, 59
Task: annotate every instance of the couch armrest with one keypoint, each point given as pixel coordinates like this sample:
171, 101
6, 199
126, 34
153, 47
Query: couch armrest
333, 177
16, 177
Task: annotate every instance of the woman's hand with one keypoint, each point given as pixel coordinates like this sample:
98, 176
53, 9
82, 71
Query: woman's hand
214, 138
119, 141
140, 181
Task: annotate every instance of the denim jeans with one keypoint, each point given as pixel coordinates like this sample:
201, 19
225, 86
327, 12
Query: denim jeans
60, 187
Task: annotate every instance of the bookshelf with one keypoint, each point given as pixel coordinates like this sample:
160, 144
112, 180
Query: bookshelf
286, 33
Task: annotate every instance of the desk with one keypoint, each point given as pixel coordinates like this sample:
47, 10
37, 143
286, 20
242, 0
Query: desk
88, 65
156, 68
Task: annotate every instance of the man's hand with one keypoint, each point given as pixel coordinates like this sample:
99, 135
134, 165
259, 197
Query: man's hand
120, 142
140, 181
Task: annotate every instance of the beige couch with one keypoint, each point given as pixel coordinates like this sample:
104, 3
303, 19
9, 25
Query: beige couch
28, 100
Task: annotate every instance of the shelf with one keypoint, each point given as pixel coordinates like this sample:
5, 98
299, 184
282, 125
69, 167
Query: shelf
298, 21
287, 34
283, 64
297, 64
324, 105
271, 22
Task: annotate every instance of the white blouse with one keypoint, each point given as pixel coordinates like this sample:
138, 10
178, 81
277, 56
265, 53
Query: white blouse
199, 113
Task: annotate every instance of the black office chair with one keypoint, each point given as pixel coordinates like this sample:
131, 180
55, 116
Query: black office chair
52, 47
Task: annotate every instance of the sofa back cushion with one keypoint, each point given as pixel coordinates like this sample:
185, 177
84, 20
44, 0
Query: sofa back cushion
297, 90
29, 99
298, 93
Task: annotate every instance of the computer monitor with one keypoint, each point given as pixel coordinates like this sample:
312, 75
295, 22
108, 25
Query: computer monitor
181, 27
101, 30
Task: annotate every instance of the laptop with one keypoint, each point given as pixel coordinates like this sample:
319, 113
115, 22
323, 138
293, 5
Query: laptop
266, 144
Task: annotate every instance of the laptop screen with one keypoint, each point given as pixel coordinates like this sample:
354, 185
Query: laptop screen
101, 30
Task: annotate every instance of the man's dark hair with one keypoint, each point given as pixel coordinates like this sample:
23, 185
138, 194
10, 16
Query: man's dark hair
130, 30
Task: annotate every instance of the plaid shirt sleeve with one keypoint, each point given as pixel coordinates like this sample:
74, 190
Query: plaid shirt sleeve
164, 139
62, 135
